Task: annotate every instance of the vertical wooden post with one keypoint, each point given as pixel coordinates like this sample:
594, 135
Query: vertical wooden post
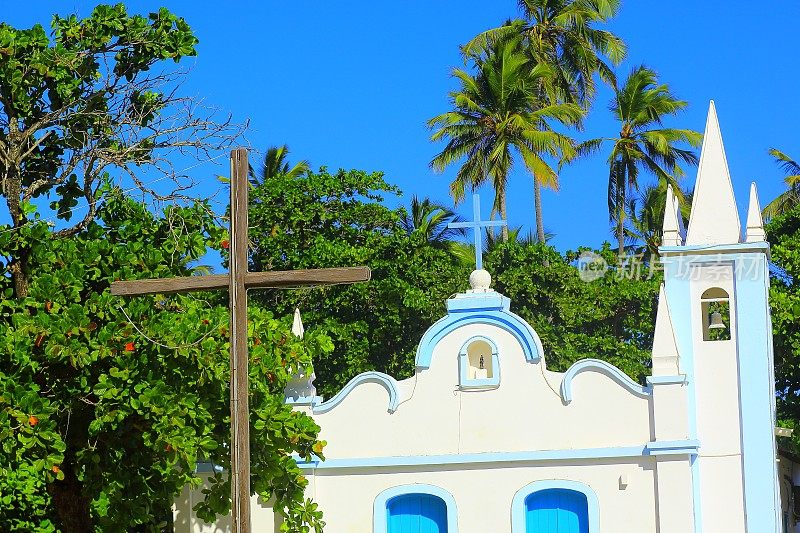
240, 420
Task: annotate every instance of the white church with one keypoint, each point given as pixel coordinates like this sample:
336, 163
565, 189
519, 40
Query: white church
484, 438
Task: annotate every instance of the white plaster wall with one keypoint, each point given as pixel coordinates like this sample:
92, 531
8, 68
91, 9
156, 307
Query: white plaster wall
484, 495
524, 413
716, 377
186, 521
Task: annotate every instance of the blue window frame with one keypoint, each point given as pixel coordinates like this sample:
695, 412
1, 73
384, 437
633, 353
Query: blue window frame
416, 508
555, 506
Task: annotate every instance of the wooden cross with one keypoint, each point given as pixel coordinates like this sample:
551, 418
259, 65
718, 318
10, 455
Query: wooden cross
237, 281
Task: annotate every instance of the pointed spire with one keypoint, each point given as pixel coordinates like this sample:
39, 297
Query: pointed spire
665, 349
755, 224
714, 219
671, 235
297, 325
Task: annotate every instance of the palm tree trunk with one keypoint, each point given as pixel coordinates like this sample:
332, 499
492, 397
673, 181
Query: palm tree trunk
503, 213
621, 223
537, 194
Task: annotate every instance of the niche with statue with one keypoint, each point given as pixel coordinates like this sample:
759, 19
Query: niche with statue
478, 364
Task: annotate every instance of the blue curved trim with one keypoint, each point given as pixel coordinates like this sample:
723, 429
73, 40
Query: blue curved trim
596, 365
464, 381
385, 380
379, 508
506, 320
518, 503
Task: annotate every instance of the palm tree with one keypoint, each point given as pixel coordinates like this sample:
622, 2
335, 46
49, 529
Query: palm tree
276, 164
640, 106
645, 220
562, 34
430, 220
465, 252
791, 198
496, 115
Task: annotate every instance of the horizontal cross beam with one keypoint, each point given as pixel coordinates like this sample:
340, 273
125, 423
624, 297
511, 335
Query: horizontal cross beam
252, 280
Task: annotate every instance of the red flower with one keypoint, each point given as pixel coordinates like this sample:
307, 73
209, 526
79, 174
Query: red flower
56, 469
32, 420
225, 244
129, 347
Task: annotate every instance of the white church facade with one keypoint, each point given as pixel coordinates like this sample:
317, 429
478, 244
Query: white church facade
484, 438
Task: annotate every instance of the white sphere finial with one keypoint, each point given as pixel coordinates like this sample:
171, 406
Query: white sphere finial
480, 280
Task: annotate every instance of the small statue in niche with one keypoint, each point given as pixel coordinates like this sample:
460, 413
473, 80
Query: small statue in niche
481, 372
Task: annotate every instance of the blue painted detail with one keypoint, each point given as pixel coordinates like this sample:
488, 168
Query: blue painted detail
304, 400
464, 380
673, 447
416, 513
556, 511
384, 509
678, 291
385, 380
479, 308
757, 395
595, 365
570, 497
666, 380
476, 458
699, 250
477, 226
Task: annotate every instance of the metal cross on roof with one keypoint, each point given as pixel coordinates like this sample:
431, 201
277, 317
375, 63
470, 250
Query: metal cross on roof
477, 226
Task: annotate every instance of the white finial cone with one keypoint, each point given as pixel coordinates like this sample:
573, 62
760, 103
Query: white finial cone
665, 349
755, 224
297, 325
714, 218
671, 229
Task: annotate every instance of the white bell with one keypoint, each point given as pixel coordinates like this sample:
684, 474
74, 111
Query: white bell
716, 321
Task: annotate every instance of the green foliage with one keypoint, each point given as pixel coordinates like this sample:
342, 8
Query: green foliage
611, 318
340, 220
65, 97
324, 219
789, 199
783, 233
92, 411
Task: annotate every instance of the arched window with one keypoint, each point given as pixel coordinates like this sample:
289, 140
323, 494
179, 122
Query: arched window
415, 508
478, 363
555, 506
416, 513
716, 315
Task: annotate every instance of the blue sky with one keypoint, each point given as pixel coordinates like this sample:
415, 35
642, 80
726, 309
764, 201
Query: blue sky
351, 84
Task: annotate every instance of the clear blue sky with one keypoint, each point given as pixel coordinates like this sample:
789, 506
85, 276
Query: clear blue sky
351, 84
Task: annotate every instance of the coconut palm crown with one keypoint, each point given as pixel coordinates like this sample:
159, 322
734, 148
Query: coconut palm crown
791, 198
643, 144
498, 115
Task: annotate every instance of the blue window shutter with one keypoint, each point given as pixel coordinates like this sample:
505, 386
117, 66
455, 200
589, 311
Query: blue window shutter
556, 511
416, 513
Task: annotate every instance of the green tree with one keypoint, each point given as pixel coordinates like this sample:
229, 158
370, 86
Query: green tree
497, 113
430, 221
562, 34
103, 399
324, 219
645, 218
790, 199
90, 101
276, 163
783, 233
611, 318
640, 107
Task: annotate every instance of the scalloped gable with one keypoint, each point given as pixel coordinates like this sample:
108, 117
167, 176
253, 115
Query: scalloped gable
479, 308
